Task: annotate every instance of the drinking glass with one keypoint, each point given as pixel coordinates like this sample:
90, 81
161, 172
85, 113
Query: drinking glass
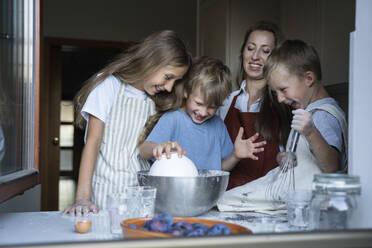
298, 207
147, 198
132, 202
121, 206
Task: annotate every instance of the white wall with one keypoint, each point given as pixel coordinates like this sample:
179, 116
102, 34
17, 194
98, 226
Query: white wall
301, 19
223, 24
338, 20
324, 24
360, 119
119, 20
213, 28
243, 14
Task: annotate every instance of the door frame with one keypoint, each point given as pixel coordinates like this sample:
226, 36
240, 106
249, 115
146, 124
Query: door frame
50, 97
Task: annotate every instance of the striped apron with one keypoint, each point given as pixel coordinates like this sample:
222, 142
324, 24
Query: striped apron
118, 161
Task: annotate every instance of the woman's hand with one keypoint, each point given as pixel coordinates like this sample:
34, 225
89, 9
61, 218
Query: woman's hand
246, 148
167, 148
81, 208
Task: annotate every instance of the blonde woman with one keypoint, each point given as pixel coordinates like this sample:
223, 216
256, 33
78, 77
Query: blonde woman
252, 106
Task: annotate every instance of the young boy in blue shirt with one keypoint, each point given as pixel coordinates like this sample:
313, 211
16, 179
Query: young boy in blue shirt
294, 73
194, 128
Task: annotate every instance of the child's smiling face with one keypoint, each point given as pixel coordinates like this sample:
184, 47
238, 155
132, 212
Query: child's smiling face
162, 80
290, 89
198, 110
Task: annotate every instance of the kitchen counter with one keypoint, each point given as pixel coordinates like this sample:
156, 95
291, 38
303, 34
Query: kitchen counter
52, 227
44, 227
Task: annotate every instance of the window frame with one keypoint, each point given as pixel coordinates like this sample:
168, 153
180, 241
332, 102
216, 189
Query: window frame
16, 183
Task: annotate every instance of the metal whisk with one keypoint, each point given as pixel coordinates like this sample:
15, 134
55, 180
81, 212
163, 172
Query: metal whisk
283, 180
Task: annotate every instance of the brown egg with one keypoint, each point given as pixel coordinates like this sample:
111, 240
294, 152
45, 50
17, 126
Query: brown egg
83, 226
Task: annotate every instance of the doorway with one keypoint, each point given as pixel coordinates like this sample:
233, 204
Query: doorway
67, 65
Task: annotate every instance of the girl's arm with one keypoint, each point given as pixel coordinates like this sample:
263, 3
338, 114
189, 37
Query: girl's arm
88, 160
326, 155
243, 149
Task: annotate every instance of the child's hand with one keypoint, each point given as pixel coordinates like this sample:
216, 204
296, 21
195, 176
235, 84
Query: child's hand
281, 159
247, 148
81, 208
303, 122
167, 147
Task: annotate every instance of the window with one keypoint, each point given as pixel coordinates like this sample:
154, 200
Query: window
18, 96
67, 186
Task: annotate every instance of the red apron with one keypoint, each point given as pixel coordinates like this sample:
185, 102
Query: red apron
247, 169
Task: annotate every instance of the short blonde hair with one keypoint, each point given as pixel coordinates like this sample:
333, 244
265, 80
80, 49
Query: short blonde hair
211, 77
298, 58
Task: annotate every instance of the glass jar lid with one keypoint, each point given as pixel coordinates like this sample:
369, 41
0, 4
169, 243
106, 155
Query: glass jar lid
334, 182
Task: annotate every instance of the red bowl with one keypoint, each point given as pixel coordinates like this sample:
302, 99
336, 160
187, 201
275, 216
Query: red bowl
129, 232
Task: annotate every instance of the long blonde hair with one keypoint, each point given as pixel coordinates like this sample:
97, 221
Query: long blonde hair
137, 64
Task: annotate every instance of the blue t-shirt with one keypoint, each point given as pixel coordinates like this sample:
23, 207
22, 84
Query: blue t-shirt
206, 144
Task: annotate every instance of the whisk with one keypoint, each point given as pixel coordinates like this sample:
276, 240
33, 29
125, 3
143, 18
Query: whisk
283, 180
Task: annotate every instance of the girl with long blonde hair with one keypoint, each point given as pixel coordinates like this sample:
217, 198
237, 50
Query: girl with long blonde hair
115, 104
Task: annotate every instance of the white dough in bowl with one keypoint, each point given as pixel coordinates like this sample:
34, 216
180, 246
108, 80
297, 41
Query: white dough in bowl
174, 167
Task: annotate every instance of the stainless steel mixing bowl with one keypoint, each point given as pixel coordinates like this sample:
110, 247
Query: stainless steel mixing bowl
186, 196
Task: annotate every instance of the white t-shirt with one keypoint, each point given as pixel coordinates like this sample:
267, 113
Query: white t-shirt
101, 99
241, 102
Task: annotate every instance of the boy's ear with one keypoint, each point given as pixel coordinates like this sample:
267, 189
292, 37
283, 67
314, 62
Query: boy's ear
309, 78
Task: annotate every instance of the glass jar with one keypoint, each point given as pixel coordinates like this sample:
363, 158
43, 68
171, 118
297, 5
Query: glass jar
334, 200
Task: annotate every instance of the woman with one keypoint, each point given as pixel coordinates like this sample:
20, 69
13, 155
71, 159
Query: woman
252, 106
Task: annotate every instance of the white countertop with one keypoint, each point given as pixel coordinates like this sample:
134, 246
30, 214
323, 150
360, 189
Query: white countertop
52, 227
46, 227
